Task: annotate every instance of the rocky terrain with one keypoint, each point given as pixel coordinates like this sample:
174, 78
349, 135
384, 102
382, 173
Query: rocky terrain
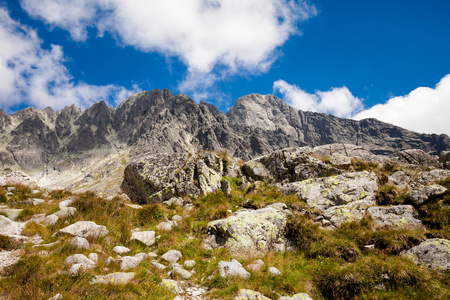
88, 150
335, 221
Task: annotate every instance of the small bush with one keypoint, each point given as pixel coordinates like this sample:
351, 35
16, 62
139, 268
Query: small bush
25, 214
435, 215
6, 243
59, 194
302, 232
150, 214
389, 195
3, 197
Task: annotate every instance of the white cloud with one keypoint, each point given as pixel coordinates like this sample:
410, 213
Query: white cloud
38, 77
423, 110
220, 36
338, 101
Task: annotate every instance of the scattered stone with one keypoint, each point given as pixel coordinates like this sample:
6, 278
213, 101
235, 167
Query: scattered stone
158, 265
322, 193
93, 257
56, 297
12, 213
145, 237
245, 294
165, 226
37, 201
189, 264
423, 194
76, 268
255, 266
129, 262
432, 253
110, 260
180, 272
274, 271
120, 250
394, 216
8, 258
152, 255
79, 259
177, 201
51, 219
171, 285
66, 203
134, 206
250, 231
79, 243
141, 256
232, 269
66, 212
10, 189
172, 256
114, 278
177, 218
86, 229
8, 227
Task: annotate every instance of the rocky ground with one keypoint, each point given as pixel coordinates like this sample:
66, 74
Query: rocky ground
330, 222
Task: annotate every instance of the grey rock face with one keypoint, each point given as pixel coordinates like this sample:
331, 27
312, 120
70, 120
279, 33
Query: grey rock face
323, 193
395, 216
250, 231
162, 177
433, 253
290, 164
419, 157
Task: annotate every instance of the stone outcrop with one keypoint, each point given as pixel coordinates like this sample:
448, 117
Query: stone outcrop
419, 157
400, 216
159, 178
250, 231
433, 253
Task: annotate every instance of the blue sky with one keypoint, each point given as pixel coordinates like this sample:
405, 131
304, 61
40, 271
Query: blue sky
354, 59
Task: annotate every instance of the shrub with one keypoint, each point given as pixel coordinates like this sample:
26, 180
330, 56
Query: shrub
6, 243
389, 195
301, 231
25, 214
59, 194
150, 214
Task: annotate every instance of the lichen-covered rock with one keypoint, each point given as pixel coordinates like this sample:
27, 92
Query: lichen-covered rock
161, 177
145, 237
114, 278
245, 294
322, 193
289, 164
432, 253
419, 157
232, 268
429, 177
394, 216
172, 256
171, 285
86, 229
422, 194
250, 231
351, 212
399, 179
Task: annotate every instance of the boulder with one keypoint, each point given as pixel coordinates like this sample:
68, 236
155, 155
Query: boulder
419, 157
232, 268
65, 212
323, 193
165, 226
250, 231
86, 229
78, 259
171, 285
76, 268
429, 177
432, 253
172, 256
274, 271
158, 265
289, 164
114, 278
8, 227
51, 219
351, 212
180, 272
349, 151
421, 195
79, 243
93, 257
245, 294
145, 237
161, 177
130, 262
400, 216
444, 159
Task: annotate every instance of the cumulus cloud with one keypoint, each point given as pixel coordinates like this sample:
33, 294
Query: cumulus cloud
208, 36
36, 76
423, 110
338, 101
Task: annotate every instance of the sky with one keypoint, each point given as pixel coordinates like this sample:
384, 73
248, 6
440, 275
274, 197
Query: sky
357, 59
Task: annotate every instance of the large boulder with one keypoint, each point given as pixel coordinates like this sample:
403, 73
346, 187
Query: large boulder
422, 194
351, 212
323, 193
429, 177
419, 157
289, 164
433, 253
160, 177
400, 216
250, 231
337, 152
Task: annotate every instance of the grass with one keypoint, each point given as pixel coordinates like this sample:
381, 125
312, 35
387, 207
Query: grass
326, 265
